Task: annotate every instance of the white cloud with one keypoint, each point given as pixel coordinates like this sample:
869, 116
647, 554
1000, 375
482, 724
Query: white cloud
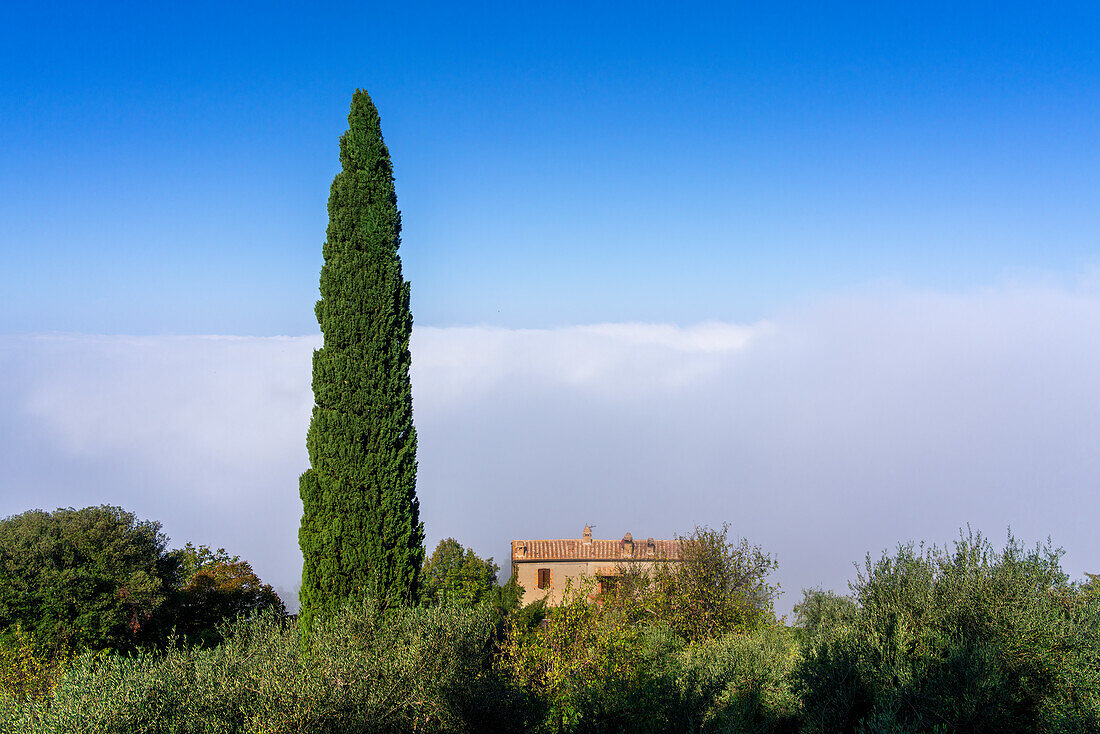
454, 365
829, 431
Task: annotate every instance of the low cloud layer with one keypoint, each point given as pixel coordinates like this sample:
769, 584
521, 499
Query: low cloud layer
831, 430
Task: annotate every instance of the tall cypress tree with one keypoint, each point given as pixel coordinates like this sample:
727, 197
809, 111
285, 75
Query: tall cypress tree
361, 532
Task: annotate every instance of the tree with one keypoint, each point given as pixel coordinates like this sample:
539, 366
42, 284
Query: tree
217, 588
192, 558
92, 578
717, 585
454, 574
361, 532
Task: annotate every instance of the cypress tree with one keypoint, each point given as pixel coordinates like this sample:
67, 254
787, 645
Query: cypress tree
361, 532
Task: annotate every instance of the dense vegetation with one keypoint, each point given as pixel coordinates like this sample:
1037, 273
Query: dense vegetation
965, 638
96, 577
960, 639
99, 579
455, 575
217, 587
361, 533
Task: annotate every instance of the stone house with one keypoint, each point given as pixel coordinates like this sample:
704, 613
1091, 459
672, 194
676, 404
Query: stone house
544, 567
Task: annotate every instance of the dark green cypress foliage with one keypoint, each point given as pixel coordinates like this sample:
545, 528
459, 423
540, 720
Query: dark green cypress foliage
361, 532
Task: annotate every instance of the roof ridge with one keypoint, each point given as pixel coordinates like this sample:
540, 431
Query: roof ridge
598, 549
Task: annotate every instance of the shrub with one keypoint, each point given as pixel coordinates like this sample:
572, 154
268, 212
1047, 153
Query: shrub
29, 669
966, 639
819, 611
718, 586
606, 667
739, 682
582, 662
418, 670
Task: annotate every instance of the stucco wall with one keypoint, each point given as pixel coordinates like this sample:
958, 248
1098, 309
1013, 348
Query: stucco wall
560, 574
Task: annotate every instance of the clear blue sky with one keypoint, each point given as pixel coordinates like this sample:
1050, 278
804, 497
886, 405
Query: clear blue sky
164, 168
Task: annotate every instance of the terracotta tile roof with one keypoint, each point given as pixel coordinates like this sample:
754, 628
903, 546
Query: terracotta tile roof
570, 549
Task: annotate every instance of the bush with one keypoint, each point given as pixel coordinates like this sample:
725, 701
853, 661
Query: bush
717, 586
582, 663
739, 682
820, 611
417, 670
99, 578
605, 667
966, 639
217, 588
960, 639
28, 668
91, 578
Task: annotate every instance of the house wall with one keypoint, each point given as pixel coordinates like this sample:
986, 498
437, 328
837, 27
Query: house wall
561, 572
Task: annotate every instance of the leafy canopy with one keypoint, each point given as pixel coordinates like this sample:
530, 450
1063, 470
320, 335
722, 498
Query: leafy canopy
962, 638
218, 588
91, 578
718, 585
456, 575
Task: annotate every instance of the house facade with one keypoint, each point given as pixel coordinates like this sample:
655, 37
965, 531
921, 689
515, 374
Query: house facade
544, 567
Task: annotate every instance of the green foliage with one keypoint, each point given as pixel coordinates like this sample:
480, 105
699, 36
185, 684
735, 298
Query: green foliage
526, 617
507, 599
361, 671
719, 586
28, 668
820, 612
940, 640
99, 578
739, 682
91, 578
218, 588
192, 558
1091, 588
360, 533
598, 667
583, 662
456, 575
960, 639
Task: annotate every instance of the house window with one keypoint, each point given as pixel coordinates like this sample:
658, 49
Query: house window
544, 578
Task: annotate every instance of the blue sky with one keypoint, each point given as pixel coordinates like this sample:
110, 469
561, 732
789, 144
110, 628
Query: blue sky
165, 168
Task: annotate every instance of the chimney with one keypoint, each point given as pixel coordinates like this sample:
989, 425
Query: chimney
586, 536
628, 545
